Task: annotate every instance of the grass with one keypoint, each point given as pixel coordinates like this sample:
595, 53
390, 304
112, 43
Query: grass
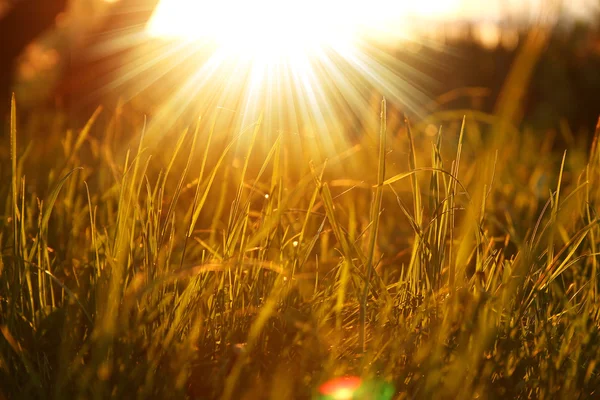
237, 265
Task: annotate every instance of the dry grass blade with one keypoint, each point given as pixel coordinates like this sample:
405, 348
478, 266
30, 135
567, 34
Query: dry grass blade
375, 214
49, 205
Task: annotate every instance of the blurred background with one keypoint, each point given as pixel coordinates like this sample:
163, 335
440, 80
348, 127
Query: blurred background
78, 54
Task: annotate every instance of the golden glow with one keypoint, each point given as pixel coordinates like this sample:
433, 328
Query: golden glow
310, 67
314, 69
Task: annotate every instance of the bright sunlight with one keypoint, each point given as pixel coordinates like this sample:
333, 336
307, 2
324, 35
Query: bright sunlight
315, 62
266, 27
283, 26
315, 57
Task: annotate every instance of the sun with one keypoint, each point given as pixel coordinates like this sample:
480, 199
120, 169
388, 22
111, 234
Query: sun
307, 65
260, 27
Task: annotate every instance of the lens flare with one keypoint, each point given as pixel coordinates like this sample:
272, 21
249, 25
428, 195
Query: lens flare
343, 388
354, 388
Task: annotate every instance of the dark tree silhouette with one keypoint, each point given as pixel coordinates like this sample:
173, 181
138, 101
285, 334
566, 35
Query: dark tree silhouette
87, 73
23, 22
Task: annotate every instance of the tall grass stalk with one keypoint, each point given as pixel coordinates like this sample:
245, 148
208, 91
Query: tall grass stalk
374, 223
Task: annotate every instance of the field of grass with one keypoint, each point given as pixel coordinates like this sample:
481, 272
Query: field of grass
452, 263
